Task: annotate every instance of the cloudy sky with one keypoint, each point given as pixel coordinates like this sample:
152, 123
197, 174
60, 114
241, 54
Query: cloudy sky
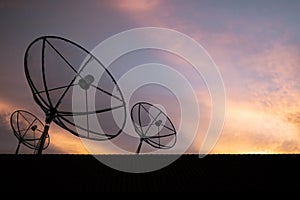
255, 44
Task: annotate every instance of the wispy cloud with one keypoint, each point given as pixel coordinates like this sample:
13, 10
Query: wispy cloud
260, 66
137, 5
254, 44
249, 129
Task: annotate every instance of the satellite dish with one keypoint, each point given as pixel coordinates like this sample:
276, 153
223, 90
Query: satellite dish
28, 129
153, 126
54, 67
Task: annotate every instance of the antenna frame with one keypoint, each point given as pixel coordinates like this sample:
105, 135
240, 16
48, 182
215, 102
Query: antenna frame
18, 134
143, 137
51, 112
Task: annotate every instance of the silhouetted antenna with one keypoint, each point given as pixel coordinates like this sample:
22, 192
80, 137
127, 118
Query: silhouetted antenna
28, 129
153, 126
54, 67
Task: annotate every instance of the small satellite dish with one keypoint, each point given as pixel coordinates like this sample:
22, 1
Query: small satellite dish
153, 126
28, 129
54, 68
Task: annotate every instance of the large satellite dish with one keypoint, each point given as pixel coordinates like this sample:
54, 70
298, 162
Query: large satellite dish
153, 126
54, 66
28, 129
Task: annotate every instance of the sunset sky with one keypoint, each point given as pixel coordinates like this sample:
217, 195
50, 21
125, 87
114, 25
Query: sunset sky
255, 44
